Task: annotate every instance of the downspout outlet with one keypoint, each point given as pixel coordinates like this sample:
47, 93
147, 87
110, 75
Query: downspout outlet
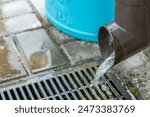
129, 33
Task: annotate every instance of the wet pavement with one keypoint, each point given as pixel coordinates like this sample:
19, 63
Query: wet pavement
10, 64
36, 45
80, 51
29, 45
14, 8
40, 51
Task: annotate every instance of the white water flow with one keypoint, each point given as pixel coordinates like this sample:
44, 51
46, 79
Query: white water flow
104, 67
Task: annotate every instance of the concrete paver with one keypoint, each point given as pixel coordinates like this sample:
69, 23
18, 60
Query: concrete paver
59, 37
136, 70
14, 8
40, 51
10, 63
79, 51
19, 24
147, 52
22, 23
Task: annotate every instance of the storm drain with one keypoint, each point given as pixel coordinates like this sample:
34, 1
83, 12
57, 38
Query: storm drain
69, 85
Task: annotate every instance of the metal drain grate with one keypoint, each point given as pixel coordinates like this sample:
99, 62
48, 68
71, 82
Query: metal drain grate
70, 85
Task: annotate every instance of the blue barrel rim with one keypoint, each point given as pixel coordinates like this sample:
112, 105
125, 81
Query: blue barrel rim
89, 33
72, 32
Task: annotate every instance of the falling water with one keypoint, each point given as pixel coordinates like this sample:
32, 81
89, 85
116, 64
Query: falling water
104, 67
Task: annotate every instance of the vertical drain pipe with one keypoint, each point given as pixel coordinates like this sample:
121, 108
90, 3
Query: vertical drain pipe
129, 33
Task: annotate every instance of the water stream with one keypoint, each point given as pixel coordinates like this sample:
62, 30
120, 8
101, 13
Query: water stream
103, 68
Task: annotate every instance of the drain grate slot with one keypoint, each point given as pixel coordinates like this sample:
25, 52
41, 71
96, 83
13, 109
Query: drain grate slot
66, 82
47, 87
33, 92
113, 92
90, 73
86, 94
93, 69
63, 83
70, 81
60, 90
51, 87
55, 86
37, 95
51, 98
83, 81
85, 76
13, 95
68, 85
75, 81
0, 97
92, 93
6, 95
48, 93
9, 94
64, 97
20, 94
72, 97
78, 95
115, 88
57, 98
100, 94
26, 93
39, 90
90, 78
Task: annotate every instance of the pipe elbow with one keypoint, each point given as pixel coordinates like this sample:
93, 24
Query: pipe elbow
113, 38
130, 31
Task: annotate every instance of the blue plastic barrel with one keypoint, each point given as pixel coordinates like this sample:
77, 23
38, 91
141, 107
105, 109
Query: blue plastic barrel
80, 18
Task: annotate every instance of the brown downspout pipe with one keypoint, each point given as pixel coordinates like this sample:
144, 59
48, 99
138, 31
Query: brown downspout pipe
129, 33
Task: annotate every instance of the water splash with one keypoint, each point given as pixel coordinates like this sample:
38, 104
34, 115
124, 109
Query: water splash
104, 67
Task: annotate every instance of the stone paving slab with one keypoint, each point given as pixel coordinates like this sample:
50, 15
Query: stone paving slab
19, 24
147, 52
40, 51
10, 64
141, 79
80, 50
136, 70
59, 37
14, 8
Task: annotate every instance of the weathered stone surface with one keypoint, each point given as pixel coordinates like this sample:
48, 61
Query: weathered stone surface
147, 51
19, 24
40, 51
79, 51
14, 8
137, 70
59, 37
10, 64
22, 23
133, 62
